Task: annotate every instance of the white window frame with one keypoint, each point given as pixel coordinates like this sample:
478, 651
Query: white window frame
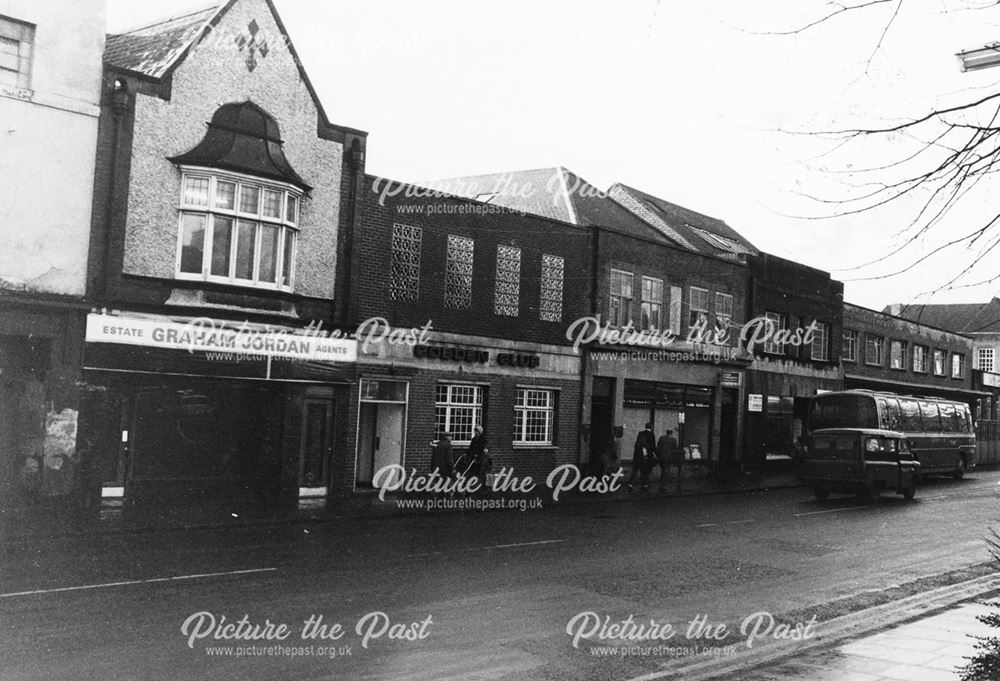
781, 323
920, 353
652, 302
944, 361
851, 338
986, 359
724, 313
821, 341
521, 411
287, 225
901, 344
623, 296
450, 406
879, 350
20, 32
960, 373
699, 306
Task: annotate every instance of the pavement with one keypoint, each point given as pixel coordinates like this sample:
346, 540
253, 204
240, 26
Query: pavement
46, 520
931, 648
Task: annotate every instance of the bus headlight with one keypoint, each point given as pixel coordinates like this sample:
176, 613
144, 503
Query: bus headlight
872, 445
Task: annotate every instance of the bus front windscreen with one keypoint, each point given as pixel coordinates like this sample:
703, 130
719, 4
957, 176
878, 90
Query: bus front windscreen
842, 411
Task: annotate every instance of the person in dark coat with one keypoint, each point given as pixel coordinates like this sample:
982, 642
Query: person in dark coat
479, 455
667, 455
642, 457
442, 458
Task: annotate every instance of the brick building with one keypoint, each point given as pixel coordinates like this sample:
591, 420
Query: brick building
222, 201
481, 296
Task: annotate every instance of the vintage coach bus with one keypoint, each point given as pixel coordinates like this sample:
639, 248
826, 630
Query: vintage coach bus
940, 432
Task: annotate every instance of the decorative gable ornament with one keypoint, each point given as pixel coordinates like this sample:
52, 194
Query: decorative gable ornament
249, 41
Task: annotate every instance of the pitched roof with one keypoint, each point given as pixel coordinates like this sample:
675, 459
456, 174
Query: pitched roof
957, 317
153, 49
694, 230
555, 193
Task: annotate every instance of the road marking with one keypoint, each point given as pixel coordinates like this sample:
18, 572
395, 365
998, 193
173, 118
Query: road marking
486, 548
728, 522
135, 581
829, 510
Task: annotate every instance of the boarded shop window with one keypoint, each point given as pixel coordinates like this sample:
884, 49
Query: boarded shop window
458, 409
508, 281
458, 273
404, 274
550, 309
533, 416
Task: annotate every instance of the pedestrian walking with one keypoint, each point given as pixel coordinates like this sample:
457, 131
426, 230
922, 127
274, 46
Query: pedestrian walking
479, 454
667, 455
442, 457
642, 456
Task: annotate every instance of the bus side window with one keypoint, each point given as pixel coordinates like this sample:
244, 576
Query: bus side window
890, 413
929, 417
964, 418
909, 415
949, 418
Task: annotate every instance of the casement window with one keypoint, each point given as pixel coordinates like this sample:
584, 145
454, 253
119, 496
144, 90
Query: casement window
724, 314
550, 307
698, 299
957, 365
779, 322
534, 415
237, 230
404, 270
984, 358
897, 354
17, 41
849, 353
507, 294
874, 349
651, 309
920, 359
458, 409
676, 304
620, 301
939, 363
458, 273
820, 347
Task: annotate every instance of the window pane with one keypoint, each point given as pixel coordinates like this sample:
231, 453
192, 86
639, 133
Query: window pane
192, 243
268, 253
293, 209
249, 199
222, 239
272, 203
225, 195
245, 249
196, 191
286, 267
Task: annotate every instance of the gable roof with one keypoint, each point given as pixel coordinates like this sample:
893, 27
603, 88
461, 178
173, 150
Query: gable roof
555, 193
694, 230
956, 317
156, 50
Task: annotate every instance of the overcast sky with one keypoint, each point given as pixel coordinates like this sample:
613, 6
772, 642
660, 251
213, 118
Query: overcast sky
696, 102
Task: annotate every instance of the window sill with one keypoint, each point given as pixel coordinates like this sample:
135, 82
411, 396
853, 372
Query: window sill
531, 445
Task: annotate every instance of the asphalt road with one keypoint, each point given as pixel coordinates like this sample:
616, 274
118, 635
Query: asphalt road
471, 595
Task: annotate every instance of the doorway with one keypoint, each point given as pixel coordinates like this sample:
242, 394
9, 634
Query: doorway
381, 428
316, 447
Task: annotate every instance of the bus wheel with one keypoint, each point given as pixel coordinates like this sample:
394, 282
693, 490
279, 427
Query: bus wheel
910, 491
959, 472
821, 493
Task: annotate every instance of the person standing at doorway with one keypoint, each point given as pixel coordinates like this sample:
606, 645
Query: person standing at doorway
442, 458
642, 455
667, 456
